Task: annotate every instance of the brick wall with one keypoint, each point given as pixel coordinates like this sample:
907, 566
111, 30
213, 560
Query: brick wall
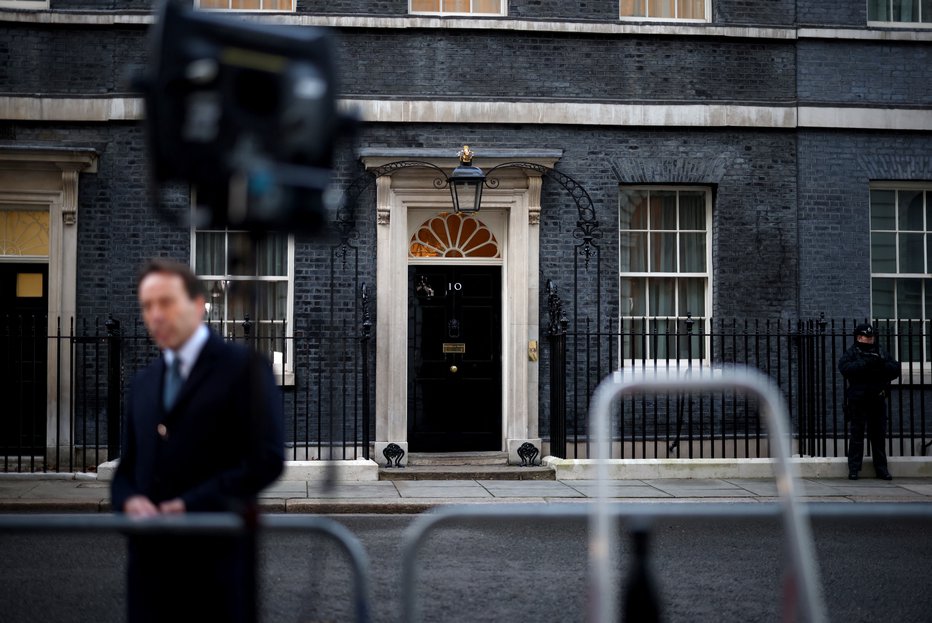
401, 63
723, 11
771, 13
66, 60
864, 72
835, 171
425, 65
836, 13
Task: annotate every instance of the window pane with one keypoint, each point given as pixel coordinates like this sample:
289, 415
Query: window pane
692, 210
692, 297
905, 10
661, 297
882, 298
213, 4
634, 341
633, 252
216, 301
909, 299
432, 6
928, 296
926, 11
928, 253
912, 253
272, 255
632, 8
691, 9
883, 253
209, 253
910, 210
692, 253
633, 210
456, 6
24, 232
928, 205
911, 341
633, 298
663, 210
883, 203
244, 4
660, 8
661, 340
877, 10
662, 253
262, 300
487, 6
239, 249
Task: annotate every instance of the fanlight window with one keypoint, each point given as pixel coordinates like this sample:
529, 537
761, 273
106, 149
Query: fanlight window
24, 232
454, 235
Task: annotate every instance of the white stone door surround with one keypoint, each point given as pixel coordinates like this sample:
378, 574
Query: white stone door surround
517, 197
45, 178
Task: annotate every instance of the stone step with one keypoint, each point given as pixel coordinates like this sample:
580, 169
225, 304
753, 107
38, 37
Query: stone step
458, 458
466, 472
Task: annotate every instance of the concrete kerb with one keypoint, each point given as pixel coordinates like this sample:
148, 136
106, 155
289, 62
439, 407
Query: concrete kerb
367, 470
350, 470
650, 469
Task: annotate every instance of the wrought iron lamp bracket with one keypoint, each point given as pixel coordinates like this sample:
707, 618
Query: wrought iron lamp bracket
587, 227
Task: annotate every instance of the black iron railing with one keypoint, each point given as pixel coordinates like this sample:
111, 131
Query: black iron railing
64, 387
800, 355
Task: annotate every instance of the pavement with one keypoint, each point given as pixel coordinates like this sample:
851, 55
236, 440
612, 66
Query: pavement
83, 493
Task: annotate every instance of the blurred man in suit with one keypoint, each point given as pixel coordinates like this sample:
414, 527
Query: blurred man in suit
203, 433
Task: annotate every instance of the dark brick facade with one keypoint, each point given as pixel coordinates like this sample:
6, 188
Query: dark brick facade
773, 12
69, 60
429, 64
849, 72
819, 13
790, 230
835, 171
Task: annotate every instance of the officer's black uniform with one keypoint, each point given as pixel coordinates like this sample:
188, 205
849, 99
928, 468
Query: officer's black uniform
868, 370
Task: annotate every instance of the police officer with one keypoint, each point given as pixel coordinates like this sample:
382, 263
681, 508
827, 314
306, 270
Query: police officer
868, 370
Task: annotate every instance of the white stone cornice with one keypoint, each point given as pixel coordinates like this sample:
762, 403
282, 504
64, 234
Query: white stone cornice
573, 113
889, 33
873, 32
864, 118
45, 108
50, 159
103, 109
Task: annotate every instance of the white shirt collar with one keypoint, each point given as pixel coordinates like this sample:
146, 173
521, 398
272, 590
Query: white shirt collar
189, 351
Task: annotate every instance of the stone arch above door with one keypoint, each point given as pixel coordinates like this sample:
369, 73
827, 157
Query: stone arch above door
414, 191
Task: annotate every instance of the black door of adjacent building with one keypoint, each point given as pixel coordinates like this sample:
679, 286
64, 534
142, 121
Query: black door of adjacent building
24, 304
454, 358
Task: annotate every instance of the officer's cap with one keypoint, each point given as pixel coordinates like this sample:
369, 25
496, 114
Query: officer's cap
864, 329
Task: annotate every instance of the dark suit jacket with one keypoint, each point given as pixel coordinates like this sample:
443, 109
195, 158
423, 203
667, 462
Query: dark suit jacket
223, 443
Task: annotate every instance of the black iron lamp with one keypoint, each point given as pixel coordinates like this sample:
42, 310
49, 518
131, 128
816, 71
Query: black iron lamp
466, 183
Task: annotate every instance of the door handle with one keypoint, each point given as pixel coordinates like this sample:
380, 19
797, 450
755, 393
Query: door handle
453, 369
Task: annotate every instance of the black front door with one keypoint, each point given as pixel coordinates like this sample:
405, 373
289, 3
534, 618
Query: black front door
24, 304
454, 358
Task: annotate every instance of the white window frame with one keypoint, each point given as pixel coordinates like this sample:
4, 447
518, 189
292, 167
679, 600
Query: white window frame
283, 376
26, 5
635, 18
926, 355
197, 5
503, 11
891, 23
702, 322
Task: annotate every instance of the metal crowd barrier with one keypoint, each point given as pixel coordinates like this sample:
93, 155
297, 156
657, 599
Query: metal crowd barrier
207, 523
800, 546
